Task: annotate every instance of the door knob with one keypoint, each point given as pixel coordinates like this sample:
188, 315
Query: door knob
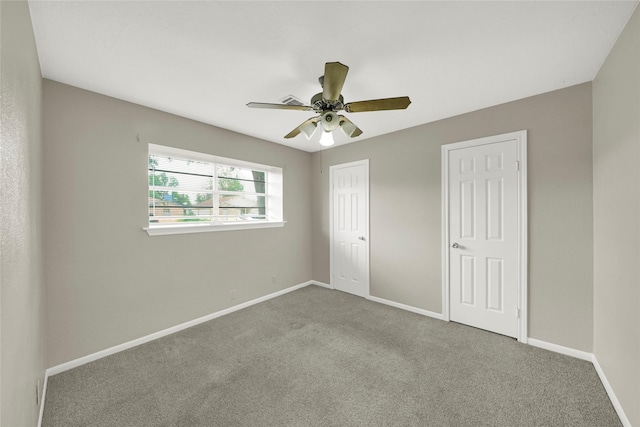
361, 238
455, 246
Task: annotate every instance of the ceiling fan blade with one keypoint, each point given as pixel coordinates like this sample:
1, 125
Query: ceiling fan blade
280, 106
348, 128
308, 127
335, 74
399, 103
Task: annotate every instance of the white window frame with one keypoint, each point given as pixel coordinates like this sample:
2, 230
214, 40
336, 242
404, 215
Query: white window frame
273, 202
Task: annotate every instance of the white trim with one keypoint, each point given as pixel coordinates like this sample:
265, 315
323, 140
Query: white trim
612, 395
406, 307
163, 230
567, 351
321, 284
133, 343
365, 163
589, 357
520, 138
444, 206
523, 238
163, 150
43, 397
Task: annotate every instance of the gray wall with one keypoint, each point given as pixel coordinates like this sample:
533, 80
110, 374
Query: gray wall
616, 182
22, 292
107, 281
405, 209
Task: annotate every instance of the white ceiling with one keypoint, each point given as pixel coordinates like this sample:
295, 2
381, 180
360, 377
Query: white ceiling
206, 59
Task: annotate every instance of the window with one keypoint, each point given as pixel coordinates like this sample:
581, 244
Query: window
193, 192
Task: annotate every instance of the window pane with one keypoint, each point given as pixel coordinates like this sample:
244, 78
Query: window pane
231, 178
180, 198
183, 191
179, 206
237, 205
179, 165
248, 217
182, 181
241, 200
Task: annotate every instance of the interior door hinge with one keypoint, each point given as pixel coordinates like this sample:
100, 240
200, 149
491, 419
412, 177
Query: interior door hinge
518, 312
517, 166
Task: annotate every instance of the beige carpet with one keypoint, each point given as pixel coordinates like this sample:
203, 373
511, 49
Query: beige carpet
316, 357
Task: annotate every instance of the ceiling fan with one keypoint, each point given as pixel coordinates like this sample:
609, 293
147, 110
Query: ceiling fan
328, 102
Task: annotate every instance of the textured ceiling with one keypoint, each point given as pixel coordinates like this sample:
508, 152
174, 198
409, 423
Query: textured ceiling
206, 59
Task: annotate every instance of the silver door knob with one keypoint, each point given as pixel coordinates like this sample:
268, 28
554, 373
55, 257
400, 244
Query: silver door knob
361, 238
455, 246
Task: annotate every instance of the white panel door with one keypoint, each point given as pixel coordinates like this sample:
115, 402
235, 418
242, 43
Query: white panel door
483, 236
349, 236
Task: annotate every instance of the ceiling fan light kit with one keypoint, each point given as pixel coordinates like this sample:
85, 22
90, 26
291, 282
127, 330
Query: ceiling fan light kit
326, 139
309, 127
328, 102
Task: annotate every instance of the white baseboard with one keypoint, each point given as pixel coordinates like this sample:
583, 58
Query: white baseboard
406, 307
589, 357
568, 351
321, 284
391, 303
612, 395
133, 343
42, 398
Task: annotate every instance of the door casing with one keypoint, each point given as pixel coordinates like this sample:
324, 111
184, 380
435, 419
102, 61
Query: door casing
520, 139
366, 277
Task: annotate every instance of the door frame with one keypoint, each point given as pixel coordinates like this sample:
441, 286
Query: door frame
365, 163
520, 138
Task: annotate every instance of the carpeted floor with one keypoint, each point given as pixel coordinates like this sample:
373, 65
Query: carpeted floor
316, 357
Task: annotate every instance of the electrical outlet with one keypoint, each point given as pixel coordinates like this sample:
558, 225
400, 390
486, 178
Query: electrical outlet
273, 279
232, 295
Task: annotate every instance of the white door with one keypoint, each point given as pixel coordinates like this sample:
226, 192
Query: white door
350, 228
483, 236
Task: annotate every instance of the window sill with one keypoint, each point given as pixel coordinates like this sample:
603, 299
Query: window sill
162, 230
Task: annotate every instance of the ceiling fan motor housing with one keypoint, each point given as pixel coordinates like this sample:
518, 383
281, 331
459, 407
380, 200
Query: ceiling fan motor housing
321, 104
